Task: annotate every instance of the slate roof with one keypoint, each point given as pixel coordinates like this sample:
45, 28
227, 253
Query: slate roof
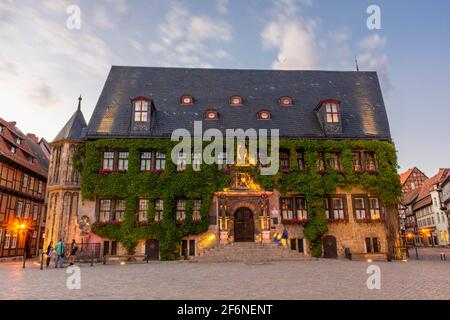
362, 108
73, 130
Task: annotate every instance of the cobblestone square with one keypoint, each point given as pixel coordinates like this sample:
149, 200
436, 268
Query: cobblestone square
322, 279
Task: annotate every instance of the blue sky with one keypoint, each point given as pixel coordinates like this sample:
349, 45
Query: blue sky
44, 66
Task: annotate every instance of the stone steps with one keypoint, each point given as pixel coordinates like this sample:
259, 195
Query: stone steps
371, 256
250, 252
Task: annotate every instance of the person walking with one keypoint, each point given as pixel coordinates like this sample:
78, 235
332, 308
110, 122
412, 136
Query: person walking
59, 248
49, 254
73, 252
285, 237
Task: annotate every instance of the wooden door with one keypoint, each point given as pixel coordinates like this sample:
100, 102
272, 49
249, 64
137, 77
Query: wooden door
329, 247
244, 226
152, 249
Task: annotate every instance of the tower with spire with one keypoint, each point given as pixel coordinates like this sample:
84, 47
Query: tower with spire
64, 183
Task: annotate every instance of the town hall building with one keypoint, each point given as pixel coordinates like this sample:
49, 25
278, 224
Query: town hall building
113, 182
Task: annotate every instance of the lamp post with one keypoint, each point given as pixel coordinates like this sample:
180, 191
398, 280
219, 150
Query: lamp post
23, 228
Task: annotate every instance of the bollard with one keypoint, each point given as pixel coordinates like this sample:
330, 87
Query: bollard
443, 258
417, 253
92, 261
42, 260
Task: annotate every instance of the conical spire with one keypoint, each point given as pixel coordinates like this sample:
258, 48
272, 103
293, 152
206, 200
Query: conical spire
74, 127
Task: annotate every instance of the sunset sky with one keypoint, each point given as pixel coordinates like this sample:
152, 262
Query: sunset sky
44, 66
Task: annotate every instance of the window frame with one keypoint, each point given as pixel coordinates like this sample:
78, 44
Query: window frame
293, 213
285, 159
329, 206
141, 116
186, 96
197, 210
282, 99
102, 212
180, 210
142, 210
236, 104
332, 111
159, 209
149, 161
301, 160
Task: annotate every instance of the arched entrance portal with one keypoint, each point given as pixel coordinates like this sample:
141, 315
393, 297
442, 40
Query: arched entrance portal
244, 226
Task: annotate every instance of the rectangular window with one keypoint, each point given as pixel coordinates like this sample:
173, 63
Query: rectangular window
300, 160
143, 209
7, 242
370, 162
360, 208
375, 210
40, 187
146, 160
31, 183
356, 161
108, 160
19, 209
196, 161
34, 234
294, 208
327, 208
119, 210
35, 212
332, 112
196, 210
181, 210
301, 208
140, 111
27, 211
181, 161
160, 161
105, 210
335, 161
320, 162
159, 209
287, 208
284, 160
122, 163
14, 241
222, 160
25, 181
338, 208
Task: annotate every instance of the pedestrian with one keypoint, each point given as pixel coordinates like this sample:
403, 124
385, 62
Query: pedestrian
59, 248
284, 237
49, 253
73, 252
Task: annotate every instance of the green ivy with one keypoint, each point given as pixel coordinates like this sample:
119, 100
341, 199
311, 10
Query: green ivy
170, 185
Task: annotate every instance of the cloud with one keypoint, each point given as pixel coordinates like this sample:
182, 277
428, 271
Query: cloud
101, 20
293, 36
43, 95
372, 56
222, 6
187, 39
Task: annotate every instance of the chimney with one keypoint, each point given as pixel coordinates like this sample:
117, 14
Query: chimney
33, 137
12, 123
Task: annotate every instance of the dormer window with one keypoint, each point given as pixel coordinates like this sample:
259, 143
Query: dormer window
141, 109
13, 150
29, 159
236, 101
186, 100
1, 129
264, 115
286, 101
19, 141
332, 112
211, 115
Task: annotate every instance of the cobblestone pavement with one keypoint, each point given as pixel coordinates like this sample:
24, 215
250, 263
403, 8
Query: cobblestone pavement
322, 279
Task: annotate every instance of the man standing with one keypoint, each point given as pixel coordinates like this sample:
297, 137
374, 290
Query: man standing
59, 248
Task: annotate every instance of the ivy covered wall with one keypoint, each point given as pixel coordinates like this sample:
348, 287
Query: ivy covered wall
170, 185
